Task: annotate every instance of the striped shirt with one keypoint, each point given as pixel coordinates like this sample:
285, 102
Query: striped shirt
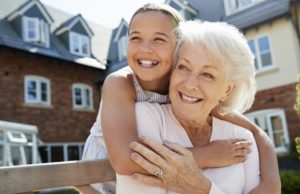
94, 147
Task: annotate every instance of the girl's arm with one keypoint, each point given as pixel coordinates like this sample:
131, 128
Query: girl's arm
118, 121
269, 180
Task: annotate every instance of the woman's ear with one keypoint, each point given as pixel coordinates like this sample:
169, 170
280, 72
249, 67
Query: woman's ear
230, 89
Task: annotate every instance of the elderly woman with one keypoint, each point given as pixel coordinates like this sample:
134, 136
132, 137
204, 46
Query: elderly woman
214, 70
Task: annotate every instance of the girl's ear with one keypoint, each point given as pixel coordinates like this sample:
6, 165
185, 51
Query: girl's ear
228, 92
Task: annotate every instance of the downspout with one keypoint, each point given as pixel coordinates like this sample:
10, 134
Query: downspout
296, 21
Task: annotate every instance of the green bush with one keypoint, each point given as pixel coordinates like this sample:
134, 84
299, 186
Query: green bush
290, 181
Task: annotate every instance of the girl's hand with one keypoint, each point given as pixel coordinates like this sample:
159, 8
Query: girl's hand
222, 153
173, 166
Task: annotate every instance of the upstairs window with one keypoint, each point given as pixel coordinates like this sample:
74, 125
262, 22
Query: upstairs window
79, 44
36, 31
261, 49
122, 47
37, 90
273, 122
233, 6
82, 96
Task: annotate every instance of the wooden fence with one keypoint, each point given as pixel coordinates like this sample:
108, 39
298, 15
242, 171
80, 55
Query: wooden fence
31, 178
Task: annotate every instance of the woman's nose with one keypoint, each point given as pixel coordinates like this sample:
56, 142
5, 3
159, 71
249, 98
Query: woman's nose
191, 83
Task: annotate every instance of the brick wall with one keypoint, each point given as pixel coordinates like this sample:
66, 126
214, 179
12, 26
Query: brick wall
280, 97
60, 123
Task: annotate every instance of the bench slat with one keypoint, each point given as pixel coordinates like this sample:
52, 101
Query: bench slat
28, 178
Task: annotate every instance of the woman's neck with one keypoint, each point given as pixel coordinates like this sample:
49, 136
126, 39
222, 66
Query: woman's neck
199, 131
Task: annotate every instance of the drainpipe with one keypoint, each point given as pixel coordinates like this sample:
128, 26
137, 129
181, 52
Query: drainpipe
296, 21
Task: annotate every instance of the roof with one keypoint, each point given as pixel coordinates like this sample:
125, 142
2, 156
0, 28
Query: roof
10, 38
214, 10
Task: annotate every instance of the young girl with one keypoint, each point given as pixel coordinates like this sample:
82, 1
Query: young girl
150, 52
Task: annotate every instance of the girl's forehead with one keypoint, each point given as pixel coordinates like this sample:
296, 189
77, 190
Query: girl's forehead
157, 15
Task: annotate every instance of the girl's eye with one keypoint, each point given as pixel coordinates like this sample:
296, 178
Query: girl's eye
134, 38
208, 75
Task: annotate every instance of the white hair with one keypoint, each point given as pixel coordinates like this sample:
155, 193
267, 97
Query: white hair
227, 45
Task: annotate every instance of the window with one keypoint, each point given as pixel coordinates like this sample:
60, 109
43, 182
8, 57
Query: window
122, 47
82, 96
261, 49
37, 90
79, 44
273, 121
57, 152
36, 31
233, 6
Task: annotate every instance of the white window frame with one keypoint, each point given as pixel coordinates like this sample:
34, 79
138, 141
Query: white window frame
38, 80
266, 116
65, 149
81, 40
41, 29
122, 47
260, 68
83, 88
234, 6
2, 162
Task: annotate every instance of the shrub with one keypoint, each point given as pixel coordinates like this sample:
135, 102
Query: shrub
290, 181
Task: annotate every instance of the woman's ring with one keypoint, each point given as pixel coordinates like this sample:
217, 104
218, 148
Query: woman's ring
159, 173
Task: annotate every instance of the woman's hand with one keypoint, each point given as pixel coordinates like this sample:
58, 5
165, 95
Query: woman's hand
173, 166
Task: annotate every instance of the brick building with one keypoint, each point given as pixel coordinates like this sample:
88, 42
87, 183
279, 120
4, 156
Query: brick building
50, 66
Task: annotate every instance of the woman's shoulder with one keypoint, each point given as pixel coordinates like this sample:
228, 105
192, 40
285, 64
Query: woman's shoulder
230, 130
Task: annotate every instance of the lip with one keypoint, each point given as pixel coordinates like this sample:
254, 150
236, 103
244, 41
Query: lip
189, 99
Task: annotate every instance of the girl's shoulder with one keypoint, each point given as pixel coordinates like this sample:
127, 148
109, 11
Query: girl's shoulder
120, 80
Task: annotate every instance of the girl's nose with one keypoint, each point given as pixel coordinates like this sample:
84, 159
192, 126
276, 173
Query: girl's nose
146, 47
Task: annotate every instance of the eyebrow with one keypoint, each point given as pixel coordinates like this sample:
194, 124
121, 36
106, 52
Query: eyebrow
205, 66
158, 33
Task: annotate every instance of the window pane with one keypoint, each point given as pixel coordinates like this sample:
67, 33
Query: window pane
1, 155
73, 153
87, 94
252, 47
31, 90
244, 3
57, 153
31, 28
43, 150
277, 128
266, 59
44, 95
28, 154
75, 43
84, 45
1, 136
16, 155
78, 97
263, 44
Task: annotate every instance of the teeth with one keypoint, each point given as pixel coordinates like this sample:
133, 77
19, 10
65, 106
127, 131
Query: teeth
189, 98
147, 63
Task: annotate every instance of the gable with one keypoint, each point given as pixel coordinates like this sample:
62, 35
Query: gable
122, 30
31, 8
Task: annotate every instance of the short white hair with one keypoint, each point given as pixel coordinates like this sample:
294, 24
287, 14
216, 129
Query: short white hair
227, 45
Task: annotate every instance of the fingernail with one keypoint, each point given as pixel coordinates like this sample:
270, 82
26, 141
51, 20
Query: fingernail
132, 145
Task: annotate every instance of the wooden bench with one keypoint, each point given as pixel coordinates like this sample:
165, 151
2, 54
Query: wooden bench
77, 174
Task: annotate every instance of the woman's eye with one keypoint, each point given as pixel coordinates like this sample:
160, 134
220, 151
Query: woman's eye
208, 75
159, 40
182, 67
